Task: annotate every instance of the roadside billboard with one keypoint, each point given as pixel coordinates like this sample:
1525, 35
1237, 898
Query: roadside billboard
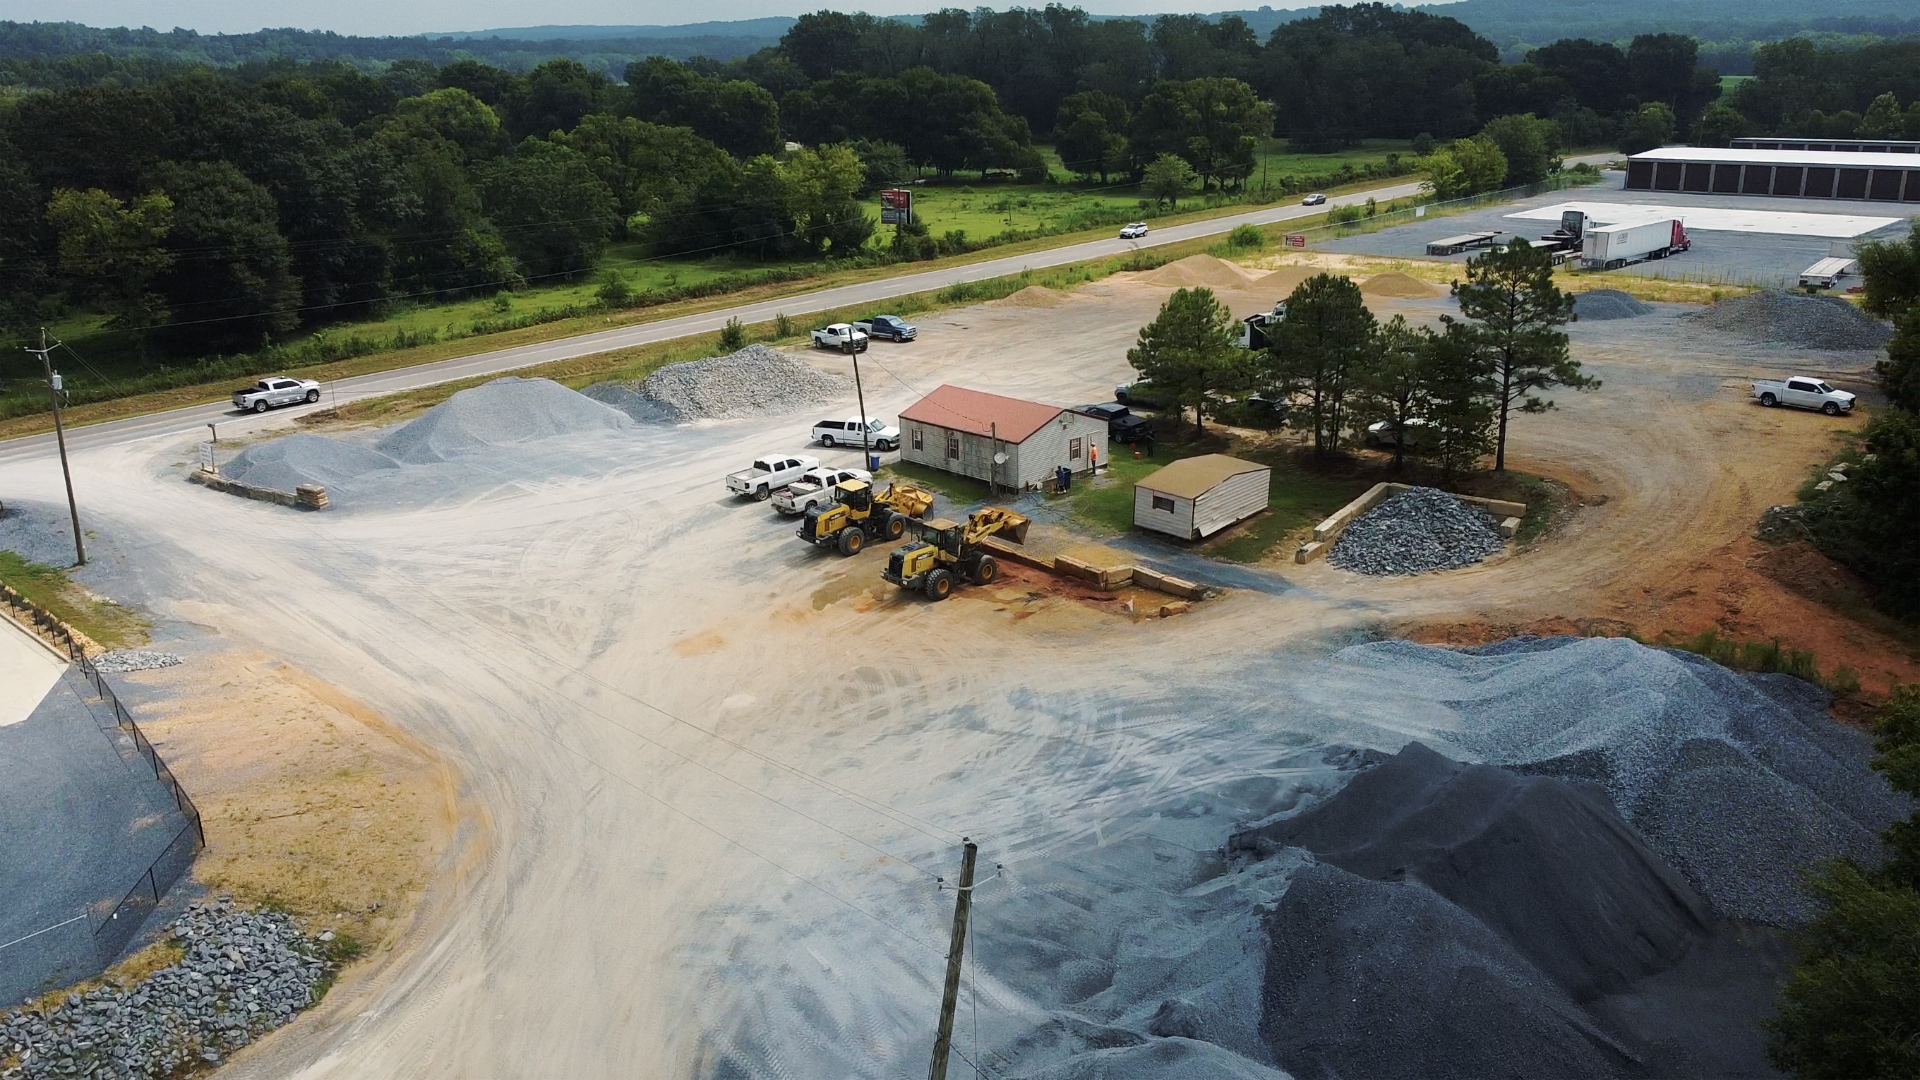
896, 207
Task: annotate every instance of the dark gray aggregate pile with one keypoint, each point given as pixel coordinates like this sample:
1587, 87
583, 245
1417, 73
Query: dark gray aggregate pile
1159, 1059
499, 413
1415, 531
1797, 320
1603, 304
245, 973
757, 379
285, 464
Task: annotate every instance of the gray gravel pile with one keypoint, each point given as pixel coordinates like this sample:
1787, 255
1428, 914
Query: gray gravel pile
499, 413
1415, 531
1797, 320
245, 973
1604, 304
1742, 783
755, 380
285, 464
121, 661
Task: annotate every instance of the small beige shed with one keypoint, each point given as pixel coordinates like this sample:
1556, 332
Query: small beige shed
1198, 496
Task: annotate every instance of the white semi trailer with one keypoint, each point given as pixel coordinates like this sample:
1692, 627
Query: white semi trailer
1606, 247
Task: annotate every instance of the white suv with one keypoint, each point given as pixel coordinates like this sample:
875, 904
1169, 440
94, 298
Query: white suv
1134, 231
875, 433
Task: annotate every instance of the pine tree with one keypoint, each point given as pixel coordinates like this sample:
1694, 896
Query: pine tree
1516, 311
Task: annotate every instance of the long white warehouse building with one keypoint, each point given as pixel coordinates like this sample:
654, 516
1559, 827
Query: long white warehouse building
1806, 174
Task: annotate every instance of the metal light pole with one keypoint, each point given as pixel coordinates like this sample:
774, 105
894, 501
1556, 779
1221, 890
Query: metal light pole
60, 436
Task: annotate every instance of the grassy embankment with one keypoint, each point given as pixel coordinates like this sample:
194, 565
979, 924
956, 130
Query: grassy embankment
102, 620
108, 380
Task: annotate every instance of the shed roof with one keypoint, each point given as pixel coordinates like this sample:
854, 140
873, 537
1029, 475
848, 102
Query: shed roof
980, 413
1190, 478
1841, 159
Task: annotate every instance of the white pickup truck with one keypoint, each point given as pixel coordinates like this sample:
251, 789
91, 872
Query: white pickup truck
276, 390
1803, 393
836, 337
814, 489
769, 474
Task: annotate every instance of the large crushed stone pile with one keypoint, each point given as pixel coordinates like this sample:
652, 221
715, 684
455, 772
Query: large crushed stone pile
1606, 304
1796, 320
499, 413
753, 381
285, 464
245, 973
1415, 531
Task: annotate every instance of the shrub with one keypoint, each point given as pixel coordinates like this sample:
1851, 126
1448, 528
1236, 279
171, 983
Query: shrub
733, 336
614, 289
782, 326
1247, 236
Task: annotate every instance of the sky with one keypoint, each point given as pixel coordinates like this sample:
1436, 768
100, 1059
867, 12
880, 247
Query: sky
377, 17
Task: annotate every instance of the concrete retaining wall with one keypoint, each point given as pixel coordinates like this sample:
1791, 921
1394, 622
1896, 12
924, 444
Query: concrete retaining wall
1104, 577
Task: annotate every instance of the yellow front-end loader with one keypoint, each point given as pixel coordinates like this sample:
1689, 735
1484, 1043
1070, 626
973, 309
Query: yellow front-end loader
858, 515
943, 550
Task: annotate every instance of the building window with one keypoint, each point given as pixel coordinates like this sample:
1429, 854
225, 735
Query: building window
1073, 449
953, 445
1161, 502
919, 439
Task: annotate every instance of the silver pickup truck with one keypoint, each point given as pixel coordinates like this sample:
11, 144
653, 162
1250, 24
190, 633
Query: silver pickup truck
769, 474
1803, 393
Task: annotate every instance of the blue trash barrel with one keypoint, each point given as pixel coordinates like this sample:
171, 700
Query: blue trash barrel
873, 462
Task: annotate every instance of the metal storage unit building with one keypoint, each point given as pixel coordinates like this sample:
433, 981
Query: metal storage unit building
1805, 174
960, 431
1198, 496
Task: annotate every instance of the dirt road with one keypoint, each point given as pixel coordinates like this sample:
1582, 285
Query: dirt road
722, 770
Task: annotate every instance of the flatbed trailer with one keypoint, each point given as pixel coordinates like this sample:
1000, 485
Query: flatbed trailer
1827, 273
1454, 245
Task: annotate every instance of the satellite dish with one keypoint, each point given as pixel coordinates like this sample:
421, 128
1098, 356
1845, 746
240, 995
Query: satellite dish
999, 459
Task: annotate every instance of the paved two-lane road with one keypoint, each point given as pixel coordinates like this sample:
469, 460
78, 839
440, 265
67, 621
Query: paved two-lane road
195, 418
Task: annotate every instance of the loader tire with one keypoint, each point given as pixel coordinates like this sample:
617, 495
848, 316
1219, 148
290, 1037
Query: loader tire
896, 526
985, 569
939, 585
851, 540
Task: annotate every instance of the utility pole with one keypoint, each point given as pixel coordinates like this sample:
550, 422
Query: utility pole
60, 436
866, 435
943, 1042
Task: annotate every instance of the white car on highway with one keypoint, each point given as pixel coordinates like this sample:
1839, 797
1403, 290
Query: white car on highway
276, 390
814, 488
1134, 231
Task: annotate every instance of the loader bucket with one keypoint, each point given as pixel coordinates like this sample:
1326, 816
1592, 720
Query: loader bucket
907, 499
1014, 528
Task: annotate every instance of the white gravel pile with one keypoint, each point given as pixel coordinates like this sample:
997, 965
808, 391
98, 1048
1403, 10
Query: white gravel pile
285, 464
245, 973
1417, 530
753, 381
500, 413
121, 661
1796, 320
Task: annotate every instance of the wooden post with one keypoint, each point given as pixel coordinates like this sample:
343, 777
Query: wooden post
943, 1042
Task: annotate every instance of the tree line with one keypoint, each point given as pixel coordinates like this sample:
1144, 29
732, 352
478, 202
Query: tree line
1446, 395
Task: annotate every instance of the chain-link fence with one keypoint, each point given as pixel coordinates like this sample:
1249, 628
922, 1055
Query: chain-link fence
76, 947
1373, 223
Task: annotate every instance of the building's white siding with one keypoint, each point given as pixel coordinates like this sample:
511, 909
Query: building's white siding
1031, 462
1234, 499
1175, 522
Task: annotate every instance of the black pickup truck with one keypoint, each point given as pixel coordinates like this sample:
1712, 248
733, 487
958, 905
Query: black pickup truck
1122, 425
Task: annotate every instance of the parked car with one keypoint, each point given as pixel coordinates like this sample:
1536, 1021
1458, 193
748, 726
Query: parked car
1122, 425
276, 390
769, 474
1380, 434
1140, 392
891, 327
1315, 199
1134, 231
836, 337
1803, 393
814, 488
875, 433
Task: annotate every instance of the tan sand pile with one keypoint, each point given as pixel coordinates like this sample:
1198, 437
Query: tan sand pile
1283, 281
1403, 286
1037, 296
1199, 270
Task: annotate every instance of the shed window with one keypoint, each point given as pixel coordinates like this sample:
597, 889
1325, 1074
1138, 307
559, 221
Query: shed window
1073, 449
1161, 502
953, 445
919, 439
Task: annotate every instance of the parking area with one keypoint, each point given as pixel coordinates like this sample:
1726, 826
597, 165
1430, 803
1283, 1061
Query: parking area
1729, 246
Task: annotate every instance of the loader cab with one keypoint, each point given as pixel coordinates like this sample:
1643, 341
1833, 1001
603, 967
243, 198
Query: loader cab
855, 495
940, 533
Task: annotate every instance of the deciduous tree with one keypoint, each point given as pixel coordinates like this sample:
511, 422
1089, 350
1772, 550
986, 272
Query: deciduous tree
1166, 178
1516, 312
114, 251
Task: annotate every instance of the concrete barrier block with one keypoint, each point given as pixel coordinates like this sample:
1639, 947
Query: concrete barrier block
1509, 526
1074, 568
1328, 530
1113, 577
1309, 552
1178, 607
1167, 583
